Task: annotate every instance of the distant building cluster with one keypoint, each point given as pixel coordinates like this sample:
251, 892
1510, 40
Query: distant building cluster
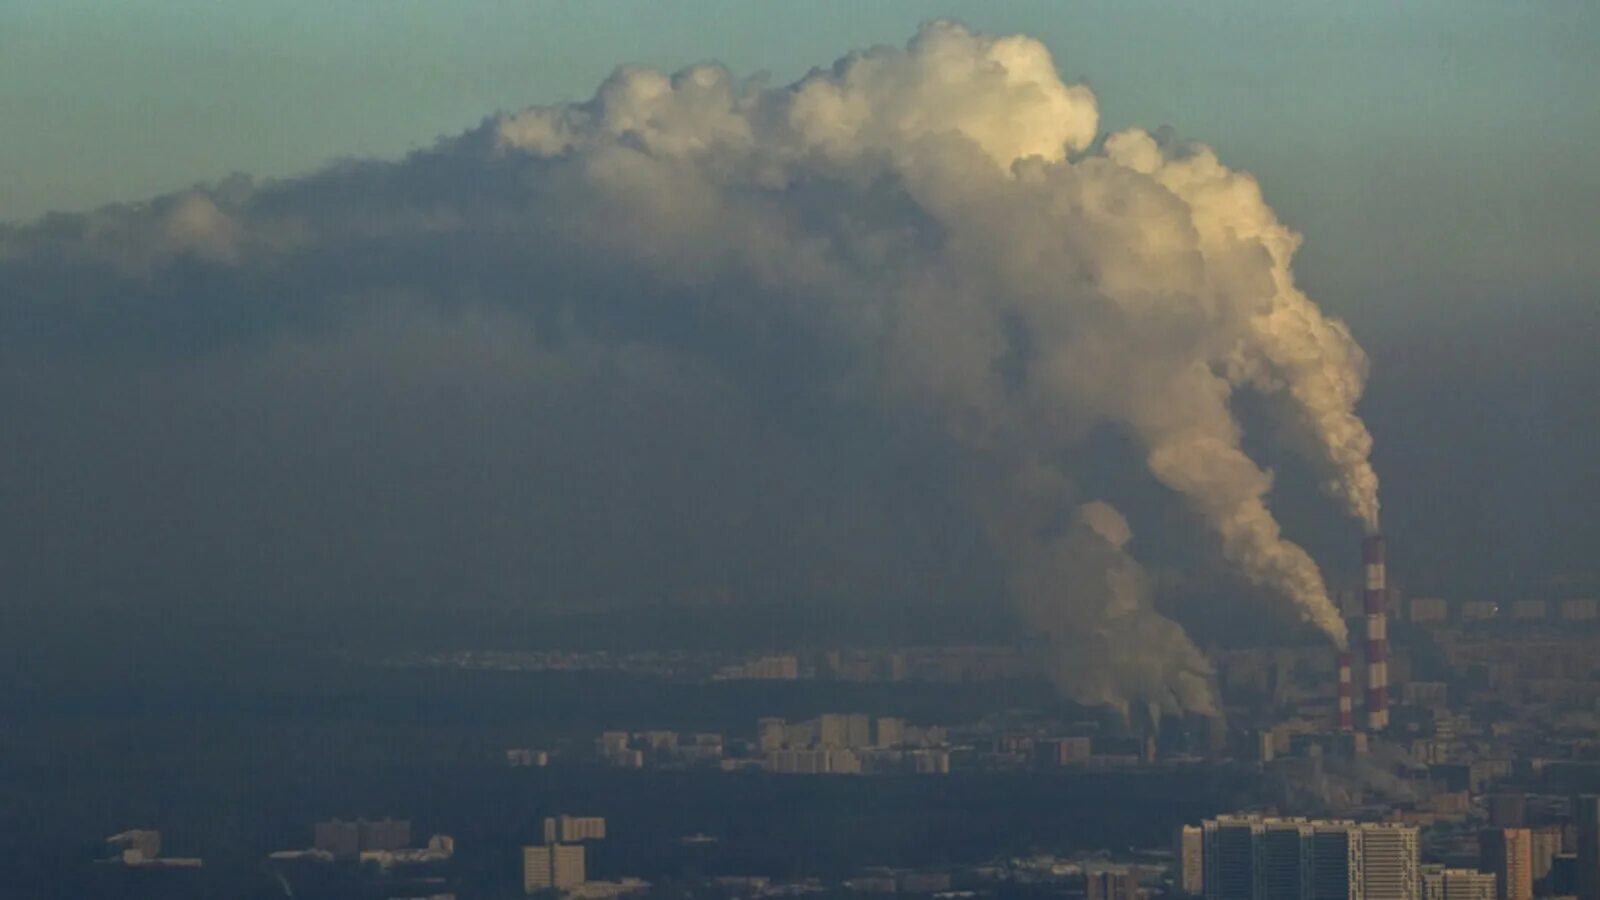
850, 743
782, 667
862, 743
1465, 777
937, 664
638, 749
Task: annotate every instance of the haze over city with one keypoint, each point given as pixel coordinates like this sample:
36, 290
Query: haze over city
591, 406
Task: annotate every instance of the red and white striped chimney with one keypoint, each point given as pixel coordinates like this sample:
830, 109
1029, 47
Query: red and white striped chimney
1376, 603
1347, 715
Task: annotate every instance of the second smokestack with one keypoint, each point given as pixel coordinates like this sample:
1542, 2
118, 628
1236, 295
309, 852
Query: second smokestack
1376, 606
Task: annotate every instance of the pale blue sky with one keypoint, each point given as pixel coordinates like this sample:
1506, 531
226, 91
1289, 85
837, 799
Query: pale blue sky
1448, 144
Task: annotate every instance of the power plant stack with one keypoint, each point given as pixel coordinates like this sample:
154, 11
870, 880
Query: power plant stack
1375, 604
1347, 715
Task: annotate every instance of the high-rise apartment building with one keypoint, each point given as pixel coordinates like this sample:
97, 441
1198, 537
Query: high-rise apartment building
1388, 861
1507, 853
1439, 883
1545, 846
890, 731
1586, 818
1188, 854
1230, 858
572, 829
552, 866
1256, 858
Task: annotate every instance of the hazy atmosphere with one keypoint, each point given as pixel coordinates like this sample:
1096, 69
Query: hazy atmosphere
747, 344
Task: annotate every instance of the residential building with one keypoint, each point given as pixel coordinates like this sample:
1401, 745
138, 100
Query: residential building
552, 866
1508, 854
1545, 846
572, 829
1188, 856
1257, 858
1439, 883
890, 732
1586, 818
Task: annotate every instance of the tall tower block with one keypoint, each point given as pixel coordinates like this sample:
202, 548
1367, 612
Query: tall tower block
1375, 604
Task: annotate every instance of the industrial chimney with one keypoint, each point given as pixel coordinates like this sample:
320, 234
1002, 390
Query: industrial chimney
1347, 721
1375, 604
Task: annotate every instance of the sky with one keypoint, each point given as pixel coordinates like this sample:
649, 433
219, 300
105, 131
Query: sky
1438, 159
1422, 141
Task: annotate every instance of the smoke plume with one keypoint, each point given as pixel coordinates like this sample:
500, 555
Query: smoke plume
1090, 599
941, 231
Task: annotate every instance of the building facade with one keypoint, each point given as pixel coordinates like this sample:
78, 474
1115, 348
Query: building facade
1507, 853
1256, 858
572, 829
552, 866
1439, 883
1586, 819
1188, 857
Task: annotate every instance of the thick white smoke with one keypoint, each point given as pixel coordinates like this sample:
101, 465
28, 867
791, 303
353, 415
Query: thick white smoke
944, 220
1149, 282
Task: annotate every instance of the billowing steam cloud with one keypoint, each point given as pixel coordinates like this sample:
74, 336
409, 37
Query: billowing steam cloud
944, 231
1080, 589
